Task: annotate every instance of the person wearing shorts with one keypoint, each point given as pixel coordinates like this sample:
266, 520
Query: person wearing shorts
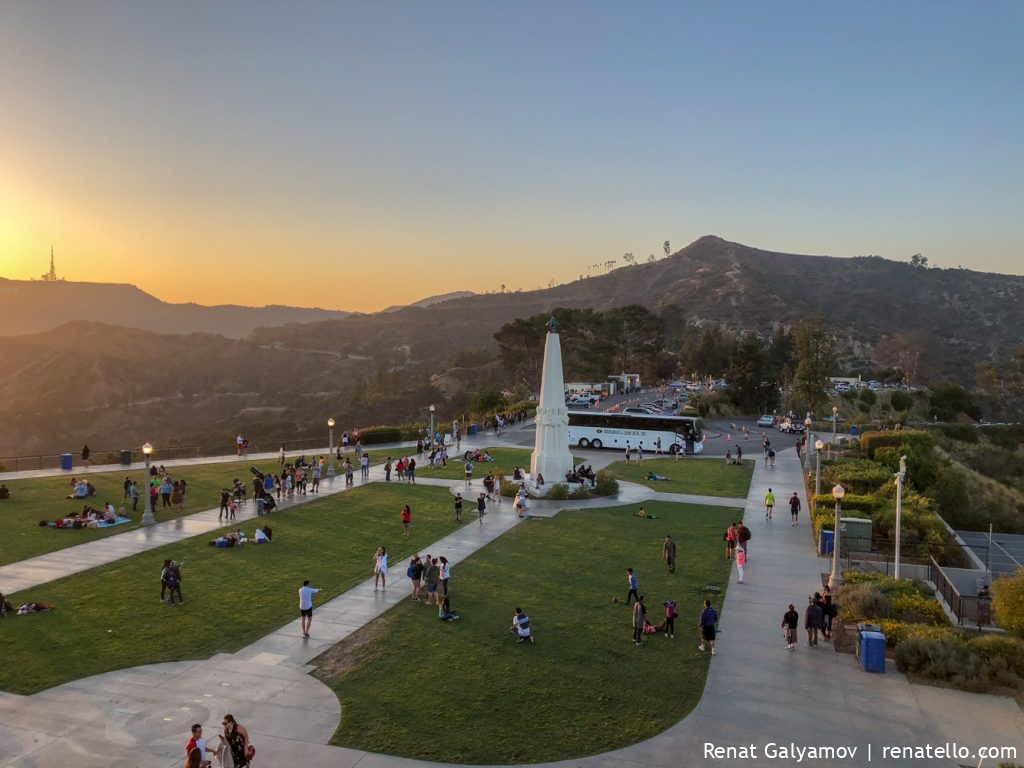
306, 593
433, 576
708, 620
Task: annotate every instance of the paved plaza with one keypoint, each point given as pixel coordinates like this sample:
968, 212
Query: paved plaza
755, 693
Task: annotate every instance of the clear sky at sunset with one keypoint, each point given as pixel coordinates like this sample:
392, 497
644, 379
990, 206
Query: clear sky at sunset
356, 155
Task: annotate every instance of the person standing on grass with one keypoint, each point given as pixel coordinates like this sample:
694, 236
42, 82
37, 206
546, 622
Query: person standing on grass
708, 620
306, 593
794, 507
127, 486
769, 504
410, 471
640, 452
670, 618
639, 618
414, 572
380, 569
481, 507
406, 519
433, 577
668, 549
133, 493
790, 621
458, 507
657, 447
634, 585
280, 456
741, 563
629, 451
445, 574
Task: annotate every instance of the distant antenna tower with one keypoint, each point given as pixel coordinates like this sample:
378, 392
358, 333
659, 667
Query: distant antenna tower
51, 276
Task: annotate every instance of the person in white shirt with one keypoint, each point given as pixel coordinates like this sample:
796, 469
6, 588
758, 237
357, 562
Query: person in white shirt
261, 536
521, 626
380, 569
306, 593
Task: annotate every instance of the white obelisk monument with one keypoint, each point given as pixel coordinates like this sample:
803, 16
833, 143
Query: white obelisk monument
551, 456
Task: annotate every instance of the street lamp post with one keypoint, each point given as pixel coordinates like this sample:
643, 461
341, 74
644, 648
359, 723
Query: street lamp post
836, 578
147, 517
835, 419
900, 476
818, 445
330, 446
432, 409
807, 438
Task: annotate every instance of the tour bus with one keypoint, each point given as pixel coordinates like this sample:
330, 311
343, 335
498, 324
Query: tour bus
600, 429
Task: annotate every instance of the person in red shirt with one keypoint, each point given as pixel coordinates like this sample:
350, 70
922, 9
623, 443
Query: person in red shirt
197, 742
406, 519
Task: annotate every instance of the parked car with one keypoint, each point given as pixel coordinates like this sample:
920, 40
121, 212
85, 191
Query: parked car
766, 421
639, 409
791, 427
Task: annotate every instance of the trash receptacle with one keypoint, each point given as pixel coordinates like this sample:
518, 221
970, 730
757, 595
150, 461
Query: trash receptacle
471, 429
126, 458
872, 651
862, 627
67, 461
826, 541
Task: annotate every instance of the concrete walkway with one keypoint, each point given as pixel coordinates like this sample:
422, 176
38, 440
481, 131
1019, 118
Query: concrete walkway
756, 692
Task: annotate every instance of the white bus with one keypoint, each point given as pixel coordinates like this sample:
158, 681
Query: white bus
597, 429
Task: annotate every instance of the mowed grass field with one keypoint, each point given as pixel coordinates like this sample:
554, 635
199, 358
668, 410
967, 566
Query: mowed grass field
505, 462
44, 499
466, 692
111, 617
703, 477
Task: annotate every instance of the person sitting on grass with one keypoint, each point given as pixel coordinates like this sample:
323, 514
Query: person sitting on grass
521, 626
445, 612
653, 476
263, 535
27, 608
5, 492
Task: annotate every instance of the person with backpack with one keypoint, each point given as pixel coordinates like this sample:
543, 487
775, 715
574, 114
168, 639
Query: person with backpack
174, 582
790, 620
670, 618
743, 539
414, 572
707, 622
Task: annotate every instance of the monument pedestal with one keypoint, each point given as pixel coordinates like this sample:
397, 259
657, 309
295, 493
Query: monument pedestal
551, 457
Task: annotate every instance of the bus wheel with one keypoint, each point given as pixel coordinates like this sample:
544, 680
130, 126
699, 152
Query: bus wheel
673, 449
597, 444
584, 443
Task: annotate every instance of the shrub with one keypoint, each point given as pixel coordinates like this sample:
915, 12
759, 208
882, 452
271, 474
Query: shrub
1008, 602
1008, 436
858, 475
900, 401
557, 492
897, 632
887, 585
1007, 652
868, 397
964, 433
862, 601
918, 609
973, 666
852, 503
579, 492
377, 435
872, 441
889, 458
606, 484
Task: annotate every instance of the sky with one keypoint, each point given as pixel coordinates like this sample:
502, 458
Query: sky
357, 155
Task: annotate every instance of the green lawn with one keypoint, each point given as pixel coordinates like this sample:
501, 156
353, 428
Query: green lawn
703, 477
110, 617
44, 499
505, 461
583, 688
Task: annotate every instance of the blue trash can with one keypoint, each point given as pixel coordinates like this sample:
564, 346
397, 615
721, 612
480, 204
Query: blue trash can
67, 461
872, 651
471, 429
826, 541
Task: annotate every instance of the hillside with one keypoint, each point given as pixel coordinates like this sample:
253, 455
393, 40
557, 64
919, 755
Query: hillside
88, 382
29, 306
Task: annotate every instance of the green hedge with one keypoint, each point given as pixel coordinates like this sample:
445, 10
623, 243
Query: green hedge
964, 433
975, 666
1008, 436
872, 441
898, 631
858, 475
852, 502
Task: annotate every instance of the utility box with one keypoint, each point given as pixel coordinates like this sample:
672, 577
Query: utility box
856, 535
826, 542
872, 651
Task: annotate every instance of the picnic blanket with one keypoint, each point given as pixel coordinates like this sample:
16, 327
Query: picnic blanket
118, 522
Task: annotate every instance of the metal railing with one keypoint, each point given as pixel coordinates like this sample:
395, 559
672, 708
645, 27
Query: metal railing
163, 454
